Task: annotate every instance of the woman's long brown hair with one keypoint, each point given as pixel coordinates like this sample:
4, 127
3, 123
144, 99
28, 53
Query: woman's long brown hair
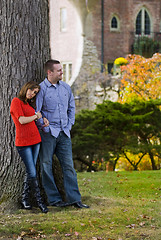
22, 94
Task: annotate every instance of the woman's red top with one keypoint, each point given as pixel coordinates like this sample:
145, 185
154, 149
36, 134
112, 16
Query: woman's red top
26, 134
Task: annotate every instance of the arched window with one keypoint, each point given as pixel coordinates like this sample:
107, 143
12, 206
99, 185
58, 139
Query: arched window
143, 24
114, 23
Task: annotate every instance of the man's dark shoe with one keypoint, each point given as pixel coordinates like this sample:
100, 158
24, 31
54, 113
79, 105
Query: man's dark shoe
80, 205
60, 204
42, 207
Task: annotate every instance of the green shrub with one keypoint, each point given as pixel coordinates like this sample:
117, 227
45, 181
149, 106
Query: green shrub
146, 46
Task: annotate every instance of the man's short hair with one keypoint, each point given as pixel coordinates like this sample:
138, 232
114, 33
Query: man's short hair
49, 64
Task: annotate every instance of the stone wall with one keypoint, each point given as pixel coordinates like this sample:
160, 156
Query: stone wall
92, 87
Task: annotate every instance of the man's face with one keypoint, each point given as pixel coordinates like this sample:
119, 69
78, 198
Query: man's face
57, 73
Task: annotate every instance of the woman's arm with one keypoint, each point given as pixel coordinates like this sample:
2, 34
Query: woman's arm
24, 120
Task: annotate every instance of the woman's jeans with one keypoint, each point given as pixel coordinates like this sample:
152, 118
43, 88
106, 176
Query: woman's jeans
62, 148
29, 156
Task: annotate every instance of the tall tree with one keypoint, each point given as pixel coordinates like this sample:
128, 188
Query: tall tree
24, 47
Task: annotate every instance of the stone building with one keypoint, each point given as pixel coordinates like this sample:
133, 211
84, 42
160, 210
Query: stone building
87, 36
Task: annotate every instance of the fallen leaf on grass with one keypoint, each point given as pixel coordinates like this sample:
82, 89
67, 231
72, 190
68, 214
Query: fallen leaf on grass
67, 234
96, 238
131, 226
145, 216
82, 224
19, 238
23, 234
141, 224
124, 210
32, 230
144, 235
152, 226
43, 236
91, 224
35, 223
118, 175
32, 233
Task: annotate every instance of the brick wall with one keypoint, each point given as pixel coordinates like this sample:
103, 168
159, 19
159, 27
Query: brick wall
118, 43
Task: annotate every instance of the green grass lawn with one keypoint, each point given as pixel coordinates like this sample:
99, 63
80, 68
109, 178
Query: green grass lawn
124, 205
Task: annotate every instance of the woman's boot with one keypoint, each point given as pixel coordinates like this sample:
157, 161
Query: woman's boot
25, 195
35, 189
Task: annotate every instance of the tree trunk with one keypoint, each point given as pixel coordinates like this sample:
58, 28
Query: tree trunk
152, 160
115, 162
24, 47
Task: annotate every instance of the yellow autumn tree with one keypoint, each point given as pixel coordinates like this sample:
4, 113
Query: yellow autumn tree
141, 78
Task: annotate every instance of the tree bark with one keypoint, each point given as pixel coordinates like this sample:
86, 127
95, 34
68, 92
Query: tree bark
154, 167
24, 47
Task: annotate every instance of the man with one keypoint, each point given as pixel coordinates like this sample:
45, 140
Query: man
56, 102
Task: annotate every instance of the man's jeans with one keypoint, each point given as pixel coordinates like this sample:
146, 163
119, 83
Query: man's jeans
62, 147
29, 156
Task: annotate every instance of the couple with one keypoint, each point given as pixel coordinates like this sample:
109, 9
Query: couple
54, 116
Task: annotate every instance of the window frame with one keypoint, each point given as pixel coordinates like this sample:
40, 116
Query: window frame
143, 11
118, 23
63, 19
68, 71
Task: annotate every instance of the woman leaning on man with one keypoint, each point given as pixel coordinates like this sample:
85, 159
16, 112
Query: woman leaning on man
28, 140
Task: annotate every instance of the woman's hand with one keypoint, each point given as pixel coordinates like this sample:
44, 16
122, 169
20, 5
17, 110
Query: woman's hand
24, 120
38, 114
46, 122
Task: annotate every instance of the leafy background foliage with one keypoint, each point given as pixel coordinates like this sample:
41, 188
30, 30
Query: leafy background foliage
115, 130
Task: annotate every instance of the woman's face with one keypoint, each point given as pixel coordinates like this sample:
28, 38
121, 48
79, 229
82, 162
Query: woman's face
31, 93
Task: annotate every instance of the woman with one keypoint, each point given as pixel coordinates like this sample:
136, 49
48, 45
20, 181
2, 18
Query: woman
28, 139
